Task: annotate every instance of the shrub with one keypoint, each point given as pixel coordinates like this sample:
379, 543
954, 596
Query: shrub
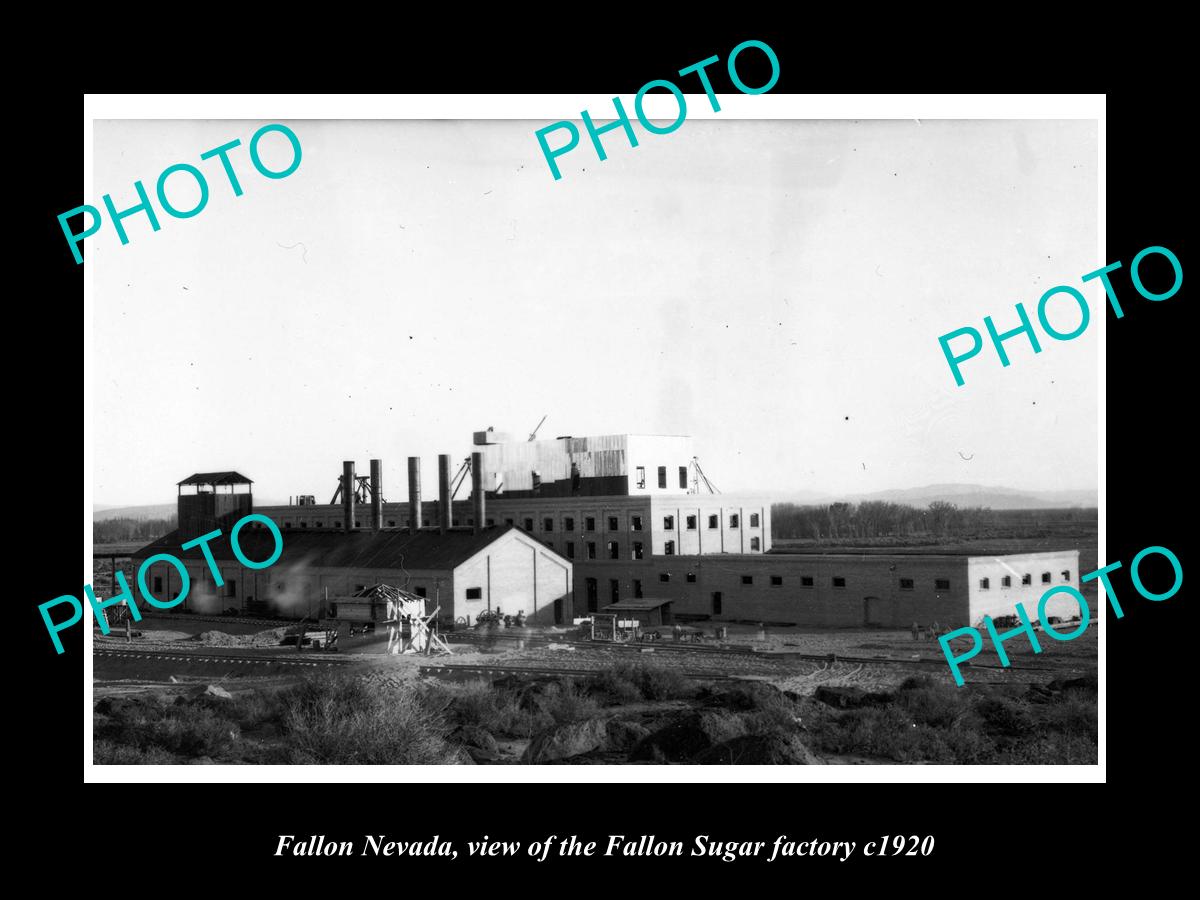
344, 721
1005, 716
108, 753
614, 687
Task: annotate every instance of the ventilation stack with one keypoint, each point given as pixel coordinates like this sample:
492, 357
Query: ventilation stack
414, 493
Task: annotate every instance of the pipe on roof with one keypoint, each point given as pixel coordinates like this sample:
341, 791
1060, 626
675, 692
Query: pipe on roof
443, 491
415, 515
376, 495
348, 485
478, 502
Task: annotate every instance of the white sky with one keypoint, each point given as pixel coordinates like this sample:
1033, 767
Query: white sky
751, 283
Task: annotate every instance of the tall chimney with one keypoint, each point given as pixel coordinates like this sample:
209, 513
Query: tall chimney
348, 485
478, 502
376, 495
443, 491
414, 493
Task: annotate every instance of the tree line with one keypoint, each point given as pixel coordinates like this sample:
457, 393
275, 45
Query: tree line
879, 519
123, 530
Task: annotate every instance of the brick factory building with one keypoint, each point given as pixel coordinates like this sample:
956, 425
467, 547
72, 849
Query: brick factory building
634, 516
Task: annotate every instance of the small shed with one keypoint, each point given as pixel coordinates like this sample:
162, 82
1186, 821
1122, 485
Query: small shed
648, 611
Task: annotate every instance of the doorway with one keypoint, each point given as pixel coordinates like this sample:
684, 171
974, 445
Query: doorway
593, 595
873, 612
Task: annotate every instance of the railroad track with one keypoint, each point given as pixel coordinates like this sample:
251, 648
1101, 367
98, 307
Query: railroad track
538, 672
225, 658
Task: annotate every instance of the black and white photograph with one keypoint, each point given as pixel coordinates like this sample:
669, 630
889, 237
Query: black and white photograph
759, 443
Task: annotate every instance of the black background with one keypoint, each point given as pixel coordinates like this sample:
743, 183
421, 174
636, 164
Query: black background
987, 832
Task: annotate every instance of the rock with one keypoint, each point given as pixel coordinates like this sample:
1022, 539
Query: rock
472, 736
682, 739
760, 750
849, 697
625, 735
217, 692
566, 741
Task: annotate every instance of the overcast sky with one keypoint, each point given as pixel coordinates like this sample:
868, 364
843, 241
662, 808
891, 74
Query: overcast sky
773, 288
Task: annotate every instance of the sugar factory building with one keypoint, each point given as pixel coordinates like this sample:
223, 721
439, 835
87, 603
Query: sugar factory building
563, 527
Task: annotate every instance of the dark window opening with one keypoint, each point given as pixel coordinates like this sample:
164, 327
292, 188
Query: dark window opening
776, 580
806, 581
747, 579
942, 584
157, 586
570, 549
755, 544
422, 592
635, 522
1006, 581
614, 550
614, 590
591, 550
716, 603
691, 523
838, 581
753, 520
691, 578
733, 520
683, 477
637, 588
569, 524
508, 521
1026, 578
1066, 574
528, 524
714, 522
641, 476
474, 593
637, 550
547, 524
907, 584
668, 523
669, 548
593, 594
664, 577
985, 584
662, 476
589, 524
613, 524
1045, 578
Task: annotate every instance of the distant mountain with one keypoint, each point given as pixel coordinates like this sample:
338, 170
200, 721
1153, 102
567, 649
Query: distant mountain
962, 495
154, 511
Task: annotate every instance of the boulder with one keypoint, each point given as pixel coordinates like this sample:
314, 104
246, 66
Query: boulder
760, 750
685, 737
625, 735
849, 697
566, 741
217, 692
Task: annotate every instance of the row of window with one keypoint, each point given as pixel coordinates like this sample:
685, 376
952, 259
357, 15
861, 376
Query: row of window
637, 549
986, 583
635, 522
662, 477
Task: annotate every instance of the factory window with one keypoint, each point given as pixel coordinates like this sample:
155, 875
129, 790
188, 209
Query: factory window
753, 520
683, 477
614, 550
668, 523
776, 580
528, 524
287, 526
613, 524
589, 524
474, 593
747, 579
669, 548
508, 521
1026, 578
641, 476
570, 549
391, 523
714, 521
337, 524
985, 584
716, 603
1066, 574
806, 581
593, 594
471, 522
548, 524
614, 590
453, 523
157, 585
1006, 581
356, 525
549, 543
1045, 578
941, 584
691, 523
637, 549
425, 523
691, 577
635, 522
319, 524
491, 522
906, 584
664, 577
591, 550
838, 581
637, 589
303, 524
231, 589
733, 520
755, 544
422, 592
662, 476
569, 524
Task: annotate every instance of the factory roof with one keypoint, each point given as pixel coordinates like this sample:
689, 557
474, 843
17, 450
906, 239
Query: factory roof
401, 549
641, 604
216, 478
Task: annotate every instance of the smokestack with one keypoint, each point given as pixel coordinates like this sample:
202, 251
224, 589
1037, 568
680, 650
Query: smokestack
444, 491
414, 493
348, 495
376, 495
477, 499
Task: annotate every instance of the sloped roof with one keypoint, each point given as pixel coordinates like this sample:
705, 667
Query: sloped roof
640, 604
383, 592
425, 549
216, 478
